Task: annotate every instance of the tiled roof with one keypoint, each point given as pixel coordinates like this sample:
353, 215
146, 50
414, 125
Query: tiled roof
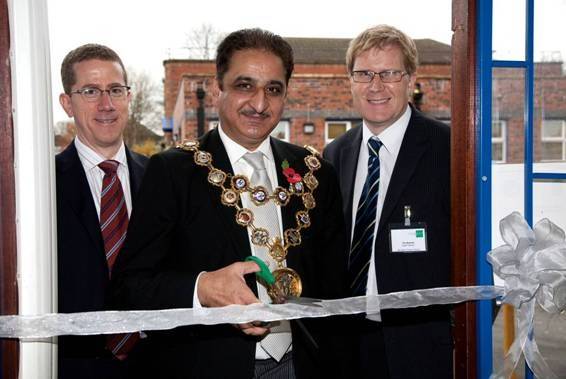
333, 50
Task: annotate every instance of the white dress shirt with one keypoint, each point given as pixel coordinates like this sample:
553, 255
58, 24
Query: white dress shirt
391, 137
94, 174
236, 154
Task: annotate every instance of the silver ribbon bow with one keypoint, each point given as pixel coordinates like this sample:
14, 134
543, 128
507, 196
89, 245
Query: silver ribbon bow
533, 265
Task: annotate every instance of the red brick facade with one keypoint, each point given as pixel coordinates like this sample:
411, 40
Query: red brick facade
320, 92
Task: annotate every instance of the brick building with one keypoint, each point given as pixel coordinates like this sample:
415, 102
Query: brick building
319, 105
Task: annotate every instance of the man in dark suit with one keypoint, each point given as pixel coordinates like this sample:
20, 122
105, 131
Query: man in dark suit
97, 96
186, 245
394, 173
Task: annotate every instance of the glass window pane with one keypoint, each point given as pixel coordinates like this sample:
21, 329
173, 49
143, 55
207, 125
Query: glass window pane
551, 128
336, 129
281, 131
508, 36
508, 99
496, 152
496, 129
550, 84
551, 151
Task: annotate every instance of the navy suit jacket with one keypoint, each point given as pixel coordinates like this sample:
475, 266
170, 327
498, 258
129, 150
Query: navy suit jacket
181, 228
417, 341
83, 278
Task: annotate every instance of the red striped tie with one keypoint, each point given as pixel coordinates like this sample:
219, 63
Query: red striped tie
113, 226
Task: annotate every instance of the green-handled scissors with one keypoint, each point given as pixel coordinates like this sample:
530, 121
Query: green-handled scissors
263, 272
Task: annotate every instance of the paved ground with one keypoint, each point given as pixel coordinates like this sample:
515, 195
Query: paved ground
550, 334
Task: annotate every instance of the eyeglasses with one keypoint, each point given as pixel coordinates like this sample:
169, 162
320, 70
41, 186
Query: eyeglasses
389, 76
93, 94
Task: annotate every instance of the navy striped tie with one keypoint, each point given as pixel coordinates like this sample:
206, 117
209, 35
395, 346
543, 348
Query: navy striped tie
362, 241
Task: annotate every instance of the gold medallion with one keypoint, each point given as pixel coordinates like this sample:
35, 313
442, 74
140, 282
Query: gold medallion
312, 162
303, 219
308, 201
292, 237
202, 158
281, 196
260, 236
239, 183
244, 217
287, 283
310, 181
216, 177
259, 195
229, 197
277, 251
190, 145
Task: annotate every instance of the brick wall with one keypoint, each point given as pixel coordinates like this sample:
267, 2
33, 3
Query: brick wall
321, 92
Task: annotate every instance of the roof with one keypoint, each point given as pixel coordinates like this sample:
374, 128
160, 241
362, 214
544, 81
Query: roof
333, 50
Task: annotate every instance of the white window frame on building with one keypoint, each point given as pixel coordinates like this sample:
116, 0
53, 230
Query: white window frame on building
499, 140
561, 139
282, 131
213, 124
327, 139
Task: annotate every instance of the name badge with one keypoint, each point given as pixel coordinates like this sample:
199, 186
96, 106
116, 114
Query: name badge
408, 239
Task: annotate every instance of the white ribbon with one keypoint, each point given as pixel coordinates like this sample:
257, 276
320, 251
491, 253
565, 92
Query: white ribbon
533, 265
56, 324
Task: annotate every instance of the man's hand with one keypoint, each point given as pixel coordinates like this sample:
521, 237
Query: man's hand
228, 286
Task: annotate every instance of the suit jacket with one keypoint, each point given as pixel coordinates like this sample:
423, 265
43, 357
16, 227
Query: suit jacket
418, 343
83, 278
180, 229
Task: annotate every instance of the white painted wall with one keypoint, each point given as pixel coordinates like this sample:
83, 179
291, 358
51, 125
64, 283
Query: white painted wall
34, 171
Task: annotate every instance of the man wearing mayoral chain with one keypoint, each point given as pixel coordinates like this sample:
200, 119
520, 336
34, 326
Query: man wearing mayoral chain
237, 192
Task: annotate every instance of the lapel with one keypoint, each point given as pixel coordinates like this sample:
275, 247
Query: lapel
212, 143
136, 170
281, 153
75, 192
348, 166
415, 143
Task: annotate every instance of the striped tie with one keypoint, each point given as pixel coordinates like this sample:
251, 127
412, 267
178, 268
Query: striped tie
113, 226
362, 241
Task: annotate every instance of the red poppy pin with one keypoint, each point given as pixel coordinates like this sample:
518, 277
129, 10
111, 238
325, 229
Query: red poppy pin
290, 174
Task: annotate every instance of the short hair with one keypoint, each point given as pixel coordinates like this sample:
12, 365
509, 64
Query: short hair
253, 39
379, 37
84, 53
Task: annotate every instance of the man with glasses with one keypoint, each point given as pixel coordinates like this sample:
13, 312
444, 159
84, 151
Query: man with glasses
97, 176
394, 174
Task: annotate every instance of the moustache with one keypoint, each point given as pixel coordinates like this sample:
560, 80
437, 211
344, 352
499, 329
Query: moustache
252, 113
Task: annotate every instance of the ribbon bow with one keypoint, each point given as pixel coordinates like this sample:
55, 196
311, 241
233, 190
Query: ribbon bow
533, 265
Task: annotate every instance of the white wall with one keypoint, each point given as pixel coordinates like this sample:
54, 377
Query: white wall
34, 174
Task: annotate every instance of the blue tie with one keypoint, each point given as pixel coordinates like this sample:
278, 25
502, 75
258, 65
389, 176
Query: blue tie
362, 241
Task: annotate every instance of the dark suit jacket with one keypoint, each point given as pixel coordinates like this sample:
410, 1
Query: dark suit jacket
82, 269
417, 342
180, 228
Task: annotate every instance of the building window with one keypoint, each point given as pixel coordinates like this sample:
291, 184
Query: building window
553, 140
281, 131
334, 129
498, 141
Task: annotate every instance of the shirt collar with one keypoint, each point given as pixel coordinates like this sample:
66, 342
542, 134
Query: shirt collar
392, 136
236, 151
91, 158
